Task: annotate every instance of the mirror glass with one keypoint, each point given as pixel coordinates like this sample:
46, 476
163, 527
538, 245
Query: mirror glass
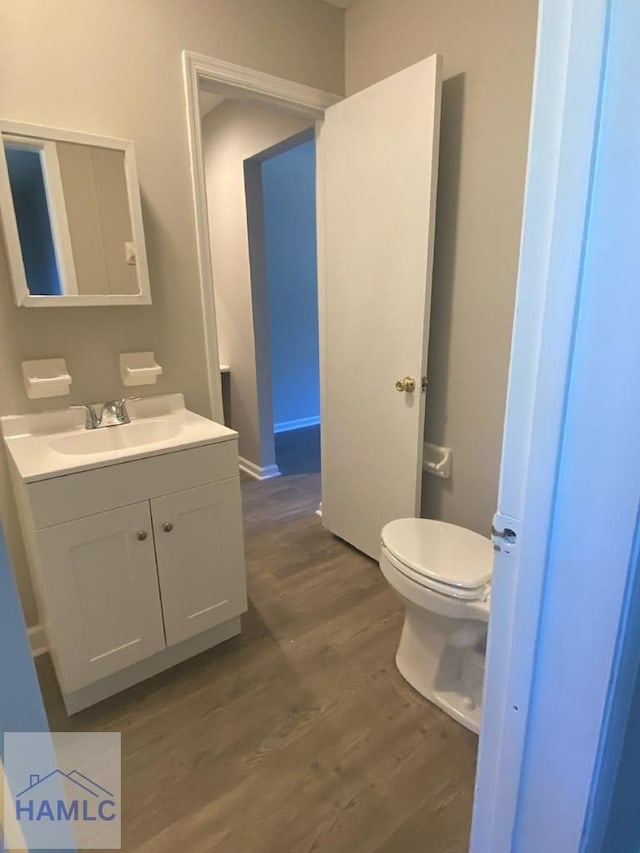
72, 223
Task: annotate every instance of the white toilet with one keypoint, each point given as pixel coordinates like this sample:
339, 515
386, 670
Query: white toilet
442, 572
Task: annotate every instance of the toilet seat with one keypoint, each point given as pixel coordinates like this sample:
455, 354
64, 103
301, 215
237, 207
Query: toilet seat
442, 557
444, 589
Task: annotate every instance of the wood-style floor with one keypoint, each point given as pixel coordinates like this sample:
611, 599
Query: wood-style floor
299, 736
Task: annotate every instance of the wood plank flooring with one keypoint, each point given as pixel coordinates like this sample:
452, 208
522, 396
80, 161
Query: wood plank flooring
299, 736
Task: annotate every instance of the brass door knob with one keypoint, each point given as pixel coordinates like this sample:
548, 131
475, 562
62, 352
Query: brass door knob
407, 384
167, 527
141, 535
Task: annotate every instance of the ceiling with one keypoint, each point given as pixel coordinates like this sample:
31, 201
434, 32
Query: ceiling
342, 4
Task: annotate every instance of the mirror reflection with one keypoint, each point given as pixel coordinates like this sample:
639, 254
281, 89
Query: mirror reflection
74, 219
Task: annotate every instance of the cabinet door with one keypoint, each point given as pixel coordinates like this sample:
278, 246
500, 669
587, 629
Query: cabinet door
200, 550
101, 585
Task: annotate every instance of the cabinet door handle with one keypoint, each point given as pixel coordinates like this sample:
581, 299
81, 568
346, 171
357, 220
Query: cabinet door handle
141, 535
167, 527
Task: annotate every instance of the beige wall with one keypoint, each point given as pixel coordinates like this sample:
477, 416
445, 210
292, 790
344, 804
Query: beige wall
231, 133
488, 49
114, 68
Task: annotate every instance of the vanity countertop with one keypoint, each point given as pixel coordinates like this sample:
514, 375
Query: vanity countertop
56, 443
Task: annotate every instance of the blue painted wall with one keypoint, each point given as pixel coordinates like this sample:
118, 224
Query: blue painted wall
288, 186
21, 707
34, 226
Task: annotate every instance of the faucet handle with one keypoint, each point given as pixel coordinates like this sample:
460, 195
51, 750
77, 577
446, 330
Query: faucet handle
121, 409
133, 399
92, 419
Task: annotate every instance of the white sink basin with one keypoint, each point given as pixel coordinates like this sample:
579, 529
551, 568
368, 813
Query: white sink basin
56, 443
136, 434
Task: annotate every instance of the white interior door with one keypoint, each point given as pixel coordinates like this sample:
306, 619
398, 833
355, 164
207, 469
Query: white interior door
377, 173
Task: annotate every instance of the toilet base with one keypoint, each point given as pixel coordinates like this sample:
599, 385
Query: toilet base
448, 675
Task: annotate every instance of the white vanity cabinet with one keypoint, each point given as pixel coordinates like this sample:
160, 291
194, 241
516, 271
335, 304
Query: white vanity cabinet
100, 585
199, 548
137, 565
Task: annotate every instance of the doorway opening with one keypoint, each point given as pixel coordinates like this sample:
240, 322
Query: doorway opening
259, 174
281, 220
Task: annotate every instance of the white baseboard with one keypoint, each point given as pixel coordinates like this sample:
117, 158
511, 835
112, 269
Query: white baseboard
319, 510
37, 640
258, 473
301, 423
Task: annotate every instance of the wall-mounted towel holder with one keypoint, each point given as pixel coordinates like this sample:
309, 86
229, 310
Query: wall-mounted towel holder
46, 377
139, 368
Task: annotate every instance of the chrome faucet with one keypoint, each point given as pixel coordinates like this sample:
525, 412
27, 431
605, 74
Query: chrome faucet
92, 421
112, 413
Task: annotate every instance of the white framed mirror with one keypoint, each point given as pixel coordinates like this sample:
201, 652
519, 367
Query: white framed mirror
71, 218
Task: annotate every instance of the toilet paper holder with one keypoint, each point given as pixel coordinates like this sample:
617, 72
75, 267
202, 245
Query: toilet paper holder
437, 460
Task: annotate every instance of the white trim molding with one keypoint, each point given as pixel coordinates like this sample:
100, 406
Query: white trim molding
37, 640
233, 81
226, 78
256, 472
566, 98
300, 423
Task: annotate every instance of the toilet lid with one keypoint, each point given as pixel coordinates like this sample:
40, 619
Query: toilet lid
445, 553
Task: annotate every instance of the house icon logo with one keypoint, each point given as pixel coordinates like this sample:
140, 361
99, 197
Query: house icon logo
62, 791
64, 797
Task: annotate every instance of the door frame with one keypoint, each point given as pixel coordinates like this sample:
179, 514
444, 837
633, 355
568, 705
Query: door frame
569, 75
232, 80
